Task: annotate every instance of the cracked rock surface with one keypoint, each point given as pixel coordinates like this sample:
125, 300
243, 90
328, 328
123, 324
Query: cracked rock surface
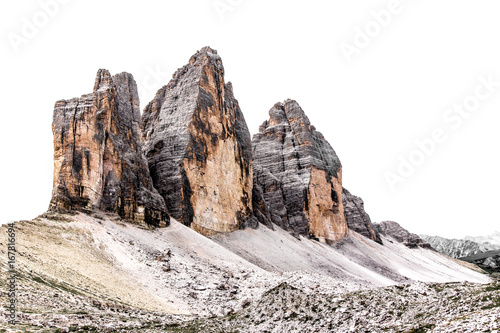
98, 160
299, 175
199, 149
396, 231
356, 217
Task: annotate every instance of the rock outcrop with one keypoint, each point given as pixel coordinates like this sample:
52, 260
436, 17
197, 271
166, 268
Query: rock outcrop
199, 149
98, 161
356, 217
400, 234
299, 174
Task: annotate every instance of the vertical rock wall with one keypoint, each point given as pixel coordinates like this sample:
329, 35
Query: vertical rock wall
299, 174
199, 148
98, 161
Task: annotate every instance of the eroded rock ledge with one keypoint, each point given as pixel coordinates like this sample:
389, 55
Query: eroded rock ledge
98, 160
199, 149
299, 174
396, 231
356, 217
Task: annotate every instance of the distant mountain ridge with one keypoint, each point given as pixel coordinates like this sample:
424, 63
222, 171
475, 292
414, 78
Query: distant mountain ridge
458, 248
494, 238
483, 251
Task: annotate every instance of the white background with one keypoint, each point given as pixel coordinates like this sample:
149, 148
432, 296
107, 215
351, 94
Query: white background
371, 110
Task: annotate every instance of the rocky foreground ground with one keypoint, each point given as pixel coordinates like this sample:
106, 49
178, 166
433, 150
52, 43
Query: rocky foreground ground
80, 273
450, 307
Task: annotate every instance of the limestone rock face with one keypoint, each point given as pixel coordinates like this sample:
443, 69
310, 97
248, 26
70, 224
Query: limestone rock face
261, 208
199, 149
98, 160
400, 234
356, 217
299, 174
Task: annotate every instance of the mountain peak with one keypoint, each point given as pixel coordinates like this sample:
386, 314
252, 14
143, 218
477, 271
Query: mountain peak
300, 175
103, 80
204, 56
207, 49
98, 161
198, 148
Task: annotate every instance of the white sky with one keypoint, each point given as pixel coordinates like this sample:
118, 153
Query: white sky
371, 110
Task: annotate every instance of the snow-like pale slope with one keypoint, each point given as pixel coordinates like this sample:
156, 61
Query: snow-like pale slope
177, 270
356, 258
417, 264
197, 266
278, 251
253, 261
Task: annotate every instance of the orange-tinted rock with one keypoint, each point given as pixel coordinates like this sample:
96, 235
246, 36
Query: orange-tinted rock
299, 174
326, 212
98, 160
199, 149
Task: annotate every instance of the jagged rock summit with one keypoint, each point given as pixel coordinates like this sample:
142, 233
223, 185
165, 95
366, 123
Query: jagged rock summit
98, 160
299, 175
199, 149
